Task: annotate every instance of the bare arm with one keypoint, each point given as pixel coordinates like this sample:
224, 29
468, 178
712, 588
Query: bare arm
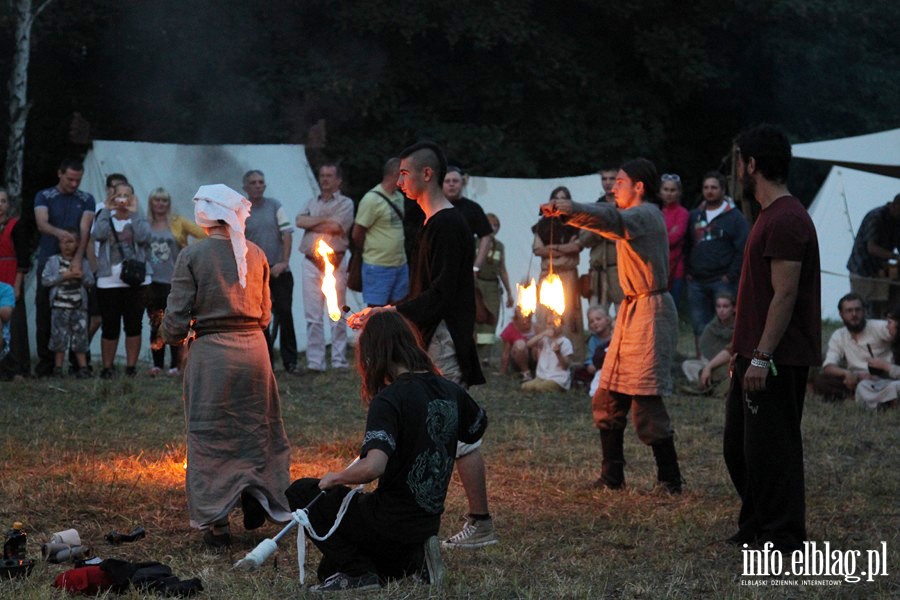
42, 219
850, 377
87, 219
722, 358
539, 248
287, 241
504, 279
563, 360
536, 339
359, 235
785, 281
484, 245
572, 247
364, 470
319, 225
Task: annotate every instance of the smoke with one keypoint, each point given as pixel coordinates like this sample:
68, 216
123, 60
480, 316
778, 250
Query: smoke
186, 72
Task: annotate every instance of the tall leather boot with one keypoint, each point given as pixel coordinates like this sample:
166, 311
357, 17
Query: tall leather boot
667, 472
612, 470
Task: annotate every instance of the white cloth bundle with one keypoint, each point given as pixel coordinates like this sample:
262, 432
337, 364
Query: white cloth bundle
218, 202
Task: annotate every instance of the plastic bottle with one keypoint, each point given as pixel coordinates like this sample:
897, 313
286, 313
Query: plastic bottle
16, 538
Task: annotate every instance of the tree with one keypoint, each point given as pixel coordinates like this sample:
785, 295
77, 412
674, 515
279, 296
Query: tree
18, 94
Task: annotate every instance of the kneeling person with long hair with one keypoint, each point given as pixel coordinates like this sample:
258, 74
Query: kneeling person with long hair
415, 418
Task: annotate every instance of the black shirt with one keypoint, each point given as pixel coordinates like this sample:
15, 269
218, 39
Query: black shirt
442, 287
475, 217
417, 421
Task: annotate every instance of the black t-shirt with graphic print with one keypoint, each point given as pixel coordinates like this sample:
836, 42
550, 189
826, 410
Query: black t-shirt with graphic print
417, 421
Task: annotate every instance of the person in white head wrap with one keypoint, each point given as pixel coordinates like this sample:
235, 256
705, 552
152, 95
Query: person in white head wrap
237, 450
216, 203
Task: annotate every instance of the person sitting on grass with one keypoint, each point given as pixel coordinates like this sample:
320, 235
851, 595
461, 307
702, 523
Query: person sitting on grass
883, 390
554, 352
600, 326
515, 337
68, 304
415, 419
715, 338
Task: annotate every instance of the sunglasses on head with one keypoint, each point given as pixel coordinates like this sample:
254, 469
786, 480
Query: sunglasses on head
670, 177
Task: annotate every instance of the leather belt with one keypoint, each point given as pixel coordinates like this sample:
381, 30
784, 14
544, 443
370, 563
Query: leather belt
646, 294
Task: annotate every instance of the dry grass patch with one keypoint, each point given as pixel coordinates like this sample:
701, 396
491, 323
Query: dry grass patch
101, 455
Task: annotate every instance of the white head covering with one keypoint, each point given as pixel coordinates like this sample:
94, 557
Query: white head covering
216, 202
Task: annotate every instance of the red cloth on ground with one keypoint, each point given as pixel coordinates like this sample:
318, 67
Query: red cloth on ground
86, 580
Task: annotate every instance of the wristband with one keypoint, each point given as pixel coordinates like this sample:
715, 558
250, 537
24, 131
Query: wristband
476, 269
762, 355
756, 362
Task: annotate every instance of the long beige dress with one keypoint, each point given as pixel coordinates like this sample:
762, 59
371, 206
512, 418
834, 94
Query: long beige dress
640, 354
235, 434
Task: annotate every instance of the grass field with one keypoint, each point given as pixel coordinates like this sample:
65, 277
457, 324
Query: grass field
101, 455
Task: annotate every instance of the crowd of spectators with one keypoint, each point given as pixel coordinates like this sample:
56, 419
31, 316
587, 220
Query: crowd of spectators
90, 241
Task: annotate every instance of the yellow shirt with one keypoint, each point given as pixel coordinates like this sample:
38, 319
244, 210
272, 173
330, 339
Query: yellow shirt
182, 228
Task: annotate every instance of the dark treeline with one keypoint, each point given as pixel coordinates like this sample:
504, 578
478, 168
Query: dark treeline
513, 89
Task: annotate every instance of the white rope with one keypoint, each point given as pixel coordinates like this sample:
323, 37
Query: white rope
301, 517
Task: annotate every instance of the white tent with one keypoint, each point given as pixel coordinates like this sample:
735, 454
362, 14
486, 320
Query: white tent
874, 152
837, 211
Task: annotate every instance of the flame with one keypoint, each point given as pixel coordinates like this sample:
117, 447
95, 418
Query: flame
527, 298
329, 283
552, 294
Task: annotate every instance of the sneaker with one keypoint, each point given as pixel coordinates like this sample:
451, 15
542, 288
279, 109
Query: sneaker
341, 582
174, 372
154, 371
83, 373
130, 371
106, 373
434, 565
474, 534
58, 372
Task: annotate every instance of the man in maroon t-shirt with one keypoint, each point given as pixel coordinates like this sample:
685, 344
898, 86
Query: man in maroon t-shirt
777, 337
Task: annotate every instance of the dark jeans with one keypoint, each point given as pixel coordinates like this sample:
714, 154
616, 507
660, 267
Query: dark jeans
701, 298
357, 547
157, 294
282, 291
763, 451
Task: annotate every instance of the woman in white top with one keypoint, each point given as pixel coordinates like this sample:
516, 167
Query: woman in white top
119, 302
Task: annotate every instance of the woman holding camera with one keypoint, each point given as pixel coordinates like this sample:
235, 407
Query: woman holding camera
123, 234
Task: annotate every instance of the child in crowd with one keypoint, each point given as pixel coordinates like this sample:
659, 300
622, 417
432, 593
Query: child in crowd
515, 337
600, 326
68, 285
554, 351
7, 303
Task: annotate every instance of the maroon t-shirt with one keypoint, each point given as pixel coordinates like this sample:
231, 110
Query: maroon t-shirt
782, 231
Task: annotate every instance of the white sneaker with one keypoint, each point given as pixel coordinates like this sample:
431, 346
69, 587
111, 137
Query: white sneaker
474, 534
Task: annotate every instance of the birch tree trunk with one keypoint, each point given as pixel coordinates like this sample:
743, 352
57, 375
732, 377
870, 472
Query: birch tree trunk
18, 95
